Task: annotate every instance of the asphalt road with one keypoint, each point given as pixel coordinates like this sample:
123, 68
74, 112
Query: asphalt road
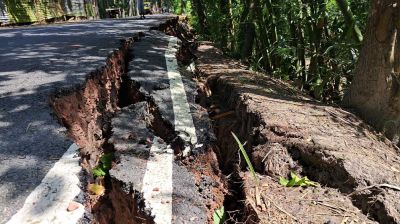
35, 62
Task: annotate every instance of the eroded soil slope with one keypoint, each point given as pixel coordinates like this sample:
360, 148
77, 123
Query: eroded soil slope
357, 169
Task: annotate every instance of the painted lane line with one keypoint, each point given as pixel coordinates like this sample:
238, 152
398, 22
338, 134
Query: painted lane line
157, 183
183, 118
48, 202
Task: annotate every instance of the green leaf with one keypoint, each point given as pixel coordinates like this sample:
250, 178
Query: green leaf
106, 161
246, 157
283, 181
98, 172
296, 181
219, 215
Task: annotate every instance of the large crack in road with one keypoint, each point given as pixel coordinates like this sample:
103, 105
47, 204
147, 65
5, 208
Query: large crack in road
142, 110
36, 62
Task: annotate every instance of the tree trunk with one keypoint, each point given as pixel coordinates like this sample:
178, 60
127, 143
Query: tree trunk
249, 31
351, 25
226, 29
183, 4
199, 8
375, 90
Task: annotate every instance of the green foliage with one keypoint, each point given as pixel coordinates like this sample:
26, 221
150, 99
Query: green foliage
246, 157
219, 215
104, 165
296, 181
98, 171
106, 160
307, 42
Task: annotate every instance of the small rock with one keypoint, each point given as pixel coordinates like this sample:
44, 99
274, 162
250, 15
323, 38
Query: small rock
156, 189
73, 206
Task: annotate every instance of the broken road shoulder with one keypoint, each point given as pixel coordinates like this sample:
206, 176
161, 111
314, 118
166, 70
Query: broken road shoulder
286, 131
151, 131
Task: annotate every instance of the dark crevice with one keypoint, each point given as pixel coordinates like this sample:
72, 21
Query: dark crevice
227, 153
306, 159
86, 112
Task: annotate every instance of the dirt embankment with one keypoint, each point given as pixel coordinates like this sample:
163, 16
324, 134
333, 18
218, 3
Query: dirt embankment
285, 131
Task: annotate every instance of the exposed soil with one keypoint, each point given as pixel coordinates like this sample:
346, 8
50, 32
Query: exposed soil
286, 131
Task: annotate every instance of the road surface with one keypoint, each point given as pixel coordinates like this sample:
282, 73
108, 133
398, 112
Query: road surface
35, 62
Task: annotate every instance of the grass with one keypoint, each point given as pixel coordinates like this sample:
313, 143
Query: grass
246, 157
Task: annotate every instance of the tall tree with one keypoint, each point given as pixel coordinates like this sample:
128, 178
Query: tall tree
248, 32
375, 91
200, 11
351, 26
226, 27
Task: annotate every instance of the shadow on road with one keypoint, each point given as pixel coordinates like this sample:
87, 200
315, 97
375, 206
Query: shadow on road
35, 62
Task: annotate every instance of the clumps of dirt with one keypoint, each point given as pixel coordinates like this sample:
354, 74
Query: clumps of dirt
178, 27
121, 205
307, 205
274, 160
209, 179
286, 131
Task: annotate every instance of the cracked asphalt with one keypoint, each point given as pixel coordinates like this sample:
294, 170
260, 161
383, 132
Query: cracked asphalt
34, 63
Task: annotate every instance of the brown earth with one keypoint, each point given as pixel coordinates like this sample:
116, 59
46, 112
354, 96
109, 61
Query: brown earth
358, 169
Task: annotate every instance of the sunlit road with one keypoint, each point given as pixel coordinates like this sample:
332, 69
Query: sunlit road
35, 62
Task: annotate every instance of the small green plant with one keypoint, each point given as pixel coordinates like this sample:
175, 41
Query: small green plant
219, 216
98, 171
104, 166
296, 181
246, 157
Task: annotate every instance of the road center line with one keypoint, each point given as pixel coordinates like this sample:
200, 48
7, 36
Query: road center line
48, 202
157, 181
183, 118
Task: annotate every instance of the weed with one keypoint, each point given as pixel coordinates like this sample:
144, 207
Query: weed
104, 166
297, 181
246, 157
219, 216
98, 171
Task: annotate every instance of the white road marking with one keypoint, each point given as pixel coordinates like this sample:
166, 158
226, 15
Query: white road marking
157, 181
49, 201
183, 118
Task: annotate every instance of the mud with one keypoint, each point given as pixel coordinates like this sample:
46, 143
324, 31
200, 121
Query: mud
286, 131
